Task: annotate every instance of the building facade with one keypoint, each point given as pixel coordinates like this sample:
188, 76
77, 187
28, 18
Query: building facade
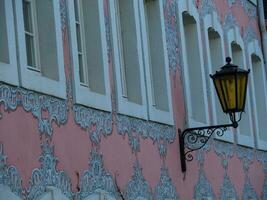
93, 92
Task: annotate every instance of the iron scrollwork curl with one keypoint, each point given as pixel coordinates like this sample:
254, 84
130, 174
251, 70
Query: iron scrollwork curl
195, 138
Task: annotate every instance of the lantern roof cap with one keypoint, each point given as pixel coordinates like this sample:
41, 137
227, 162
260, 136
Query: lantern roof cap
229, 68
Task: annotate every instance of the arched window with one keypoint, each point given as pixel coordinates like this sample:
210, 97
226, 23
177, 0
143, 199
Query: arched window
194, 75
237, 53
258, 82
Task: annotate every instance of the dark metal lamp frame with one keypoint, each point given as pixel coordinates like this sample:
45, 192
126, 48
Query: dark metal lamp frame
194, 139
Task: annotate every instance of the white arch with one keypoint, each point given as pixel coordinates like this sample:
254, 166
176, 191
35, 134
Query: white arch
254, 49
100, 195
53, 193
245, 129
212, 21
7, 194
188, 7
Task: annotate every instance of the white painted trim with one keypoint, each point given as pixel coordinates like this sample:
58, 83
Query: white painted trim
7, 194
189, 7
233, 35
212, 21
254, 48
83, 95
33, 80
9, 72
124, 106
155, 114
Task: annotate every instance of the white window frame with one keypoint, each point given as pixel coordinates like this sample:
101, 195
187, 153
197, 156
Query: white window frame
233, 35
189, 7
55, 192
6, 193
155, 114
9, 72
212, 21
124, 106
83, 95
254, 48
31, 79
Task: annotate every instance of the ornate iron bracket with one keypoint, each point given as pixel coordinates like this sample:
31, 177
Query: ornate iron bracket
195, 138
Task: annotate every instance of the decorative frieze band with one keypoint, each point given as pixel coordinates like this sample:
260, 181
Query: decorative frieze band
57, 111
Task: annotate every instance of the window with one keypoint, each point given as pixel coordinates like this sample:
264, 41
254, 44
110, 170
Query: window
194, 77
128, 58
258, 82
41, 54
236, 52
8, 60
141, 61
90, 57
100, 195
216, 58
156, 62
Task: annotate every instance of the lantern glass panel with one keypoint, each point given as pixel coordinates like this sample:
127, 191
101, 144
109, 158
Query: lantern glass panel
229, 90
218, 86
241, 90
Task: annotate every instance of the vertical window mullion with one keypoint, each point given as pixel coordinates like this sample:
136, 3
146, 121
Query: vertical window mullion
122, 64
83, 72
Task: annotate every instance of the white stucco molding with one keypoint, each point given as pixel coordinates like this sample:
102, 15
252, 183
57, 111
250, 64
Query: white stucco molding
254, 49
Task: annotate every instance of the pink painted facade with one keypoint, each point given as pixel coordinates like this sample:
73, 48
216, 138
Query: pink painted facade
21, 128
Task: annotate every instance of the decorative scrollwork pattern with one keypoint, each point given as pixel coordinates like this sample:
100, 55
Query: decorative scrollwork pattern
47, 175
9, 175
96, 178
96, 122
137, 186
33, 102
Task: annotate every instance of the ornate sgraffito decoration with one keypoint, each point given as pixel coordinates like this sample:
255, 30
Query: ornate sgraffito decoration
63, 14
47, 175
136, 128
248, 191
229, 21
203, 189
172, 34
228, 190
231, 2
200, 157
225, 151
96, 122
246, 155
9, 175
250, 34
137, 186
264, 190
207, 7
165, 188
262, 158
250, 9
56, 109
96, 178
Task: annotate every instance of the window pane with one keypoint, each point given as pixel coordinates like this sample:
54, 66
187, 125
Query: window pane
81, 71
4, 55
30, 50
27, 16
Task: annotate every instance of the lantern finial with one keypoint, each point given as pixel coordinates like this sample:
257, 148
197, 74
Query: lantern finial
228, 60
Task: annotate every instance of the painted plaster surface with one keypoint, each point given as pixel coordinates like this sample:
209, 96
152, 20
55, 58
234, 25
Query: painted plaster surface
88, 150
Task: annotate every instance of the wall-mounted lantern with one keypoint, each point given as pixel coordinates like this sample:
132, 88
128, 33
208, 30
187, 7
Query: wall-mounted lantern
231, 87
